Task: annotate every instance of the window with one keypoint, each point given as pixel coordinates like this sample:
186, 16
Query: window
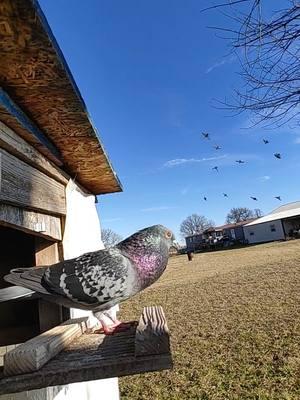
272, 227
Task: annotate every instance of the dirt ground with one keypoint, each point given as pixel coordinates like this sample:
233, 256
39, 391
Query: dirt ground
235, 326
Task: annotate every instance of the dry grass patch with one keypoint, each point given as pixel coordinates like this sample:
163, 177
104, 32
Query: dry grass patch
235, 326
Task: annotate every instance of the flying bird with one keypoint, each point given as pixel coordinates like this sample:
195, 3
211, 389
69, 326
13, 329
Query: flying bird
277, 155
98, 280
265, 141
225, 194
254, 198
278, 198
216, 168
240, 161
217, 147
205, 135
205, 198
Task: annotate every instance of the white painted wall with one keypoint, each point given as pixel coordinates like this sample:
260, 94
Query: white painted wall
263, 232
82, 234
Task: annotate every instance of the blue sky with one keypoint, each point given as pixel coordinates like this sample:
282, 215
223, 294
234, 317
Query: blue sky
149, 72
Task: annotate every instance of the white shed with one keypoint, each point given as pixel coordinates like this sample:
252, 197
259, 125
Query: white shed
281, 223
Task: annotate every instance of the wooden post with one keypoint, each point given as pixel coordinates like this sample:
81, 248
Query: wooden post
152, 333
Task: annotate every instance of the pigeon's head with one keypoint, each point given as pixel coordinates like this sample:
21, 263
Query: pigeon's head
159, 233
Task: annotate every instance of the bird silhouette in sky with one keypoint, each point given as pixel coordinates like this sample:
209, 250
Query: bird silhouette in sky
265, 141
225, 194
217, 147
278, 198
205, 135
216, 168
205, 198
240, 161
253, 198
277, 155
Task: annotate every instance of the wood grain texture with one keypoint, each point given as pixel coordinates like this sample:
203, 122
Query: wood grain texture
33, 354
152, 333
34, 73
50, 314
43, 225
89, 357
23, 185
17, 146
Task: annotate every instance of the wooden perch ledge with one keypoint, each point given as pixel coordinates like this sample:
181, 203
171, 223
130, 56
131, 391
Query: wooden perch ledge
86, 356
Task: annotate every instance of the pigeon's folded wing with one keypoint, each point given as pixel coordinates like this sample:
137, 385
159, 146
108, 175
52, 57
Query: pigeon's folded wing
92, 280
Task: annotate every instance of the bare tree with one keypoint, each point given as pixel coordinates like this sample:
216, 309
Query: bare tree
257, 213
109, 237
194, 224
238, 214
267, 46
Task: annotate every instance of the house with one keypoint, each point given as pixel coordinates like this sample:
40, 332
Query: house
280, 224
217, 236
235, 232
52, 167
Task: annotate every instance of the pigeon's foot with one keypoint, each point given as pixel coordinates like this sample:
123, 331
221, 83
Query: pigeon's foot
116, 327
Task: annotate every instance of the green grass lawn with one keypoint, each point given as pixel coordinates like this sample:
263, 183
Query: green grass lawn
234, 318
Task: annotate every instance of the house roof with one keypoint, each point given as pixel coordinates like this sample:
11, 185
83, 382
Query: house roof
237, 224
36, 77
286, 211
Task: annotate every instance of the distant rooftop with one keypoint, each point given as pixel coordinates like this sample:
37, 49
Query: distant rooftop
286, 211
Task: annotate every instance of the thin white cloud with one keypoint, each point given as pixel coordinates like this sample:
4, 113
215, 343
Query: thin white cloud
184, 191
111, 219
264, 178
219, 64
180, 161
154, 209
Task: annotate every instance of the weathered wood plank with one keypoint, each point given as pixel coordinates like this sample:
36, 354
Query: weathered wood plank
152, 333
38, 79
25, 125
87, 358
17, 146
50, 314
47, 226
21, 184
33, 354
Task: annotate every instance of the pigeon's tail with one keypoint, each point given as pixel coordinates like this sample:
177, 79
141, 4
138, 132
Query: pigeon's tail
29, 278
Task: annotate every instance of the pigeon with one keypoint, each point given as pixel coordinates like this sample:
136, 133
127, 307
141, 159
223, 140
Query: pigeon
205, 135
277, 155
265, 141
240, 161
253, 198
225, 194
217, 147
98, 280
216, 168
278, 198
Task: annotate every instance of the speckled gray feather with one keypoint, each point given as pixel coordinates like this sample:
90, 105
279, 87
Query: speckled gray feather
98, 280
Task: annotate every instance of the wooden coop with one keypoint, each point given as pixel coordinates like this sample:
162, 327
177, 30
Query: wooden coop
47, 141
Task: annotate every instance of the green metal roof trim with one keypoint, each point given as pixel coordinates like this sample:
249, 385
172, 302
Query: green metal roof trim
36, 79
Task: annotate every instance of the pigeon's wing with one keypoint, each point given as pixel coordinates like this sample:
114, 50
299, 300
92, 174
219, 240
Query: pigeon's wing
90, 280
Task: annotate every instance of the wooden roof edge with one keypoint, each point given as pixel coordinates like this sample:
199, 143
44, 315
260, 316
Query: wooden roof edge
65, 65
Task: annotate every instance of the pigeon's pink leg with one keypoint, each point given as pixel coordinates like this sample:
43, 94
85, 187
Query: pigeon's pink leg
113, 326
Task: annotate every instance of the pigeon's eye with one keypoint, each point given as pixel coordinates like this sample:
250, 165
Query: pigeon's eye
168, 234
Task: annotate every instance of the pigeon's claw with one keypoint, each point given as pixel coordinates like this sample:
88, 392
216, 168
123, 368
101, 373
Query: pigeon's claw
116, 327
